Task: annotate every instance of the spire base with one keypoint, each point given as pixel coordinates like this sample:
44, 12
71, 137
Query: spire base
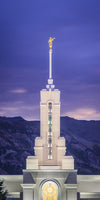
50, 81
50, 85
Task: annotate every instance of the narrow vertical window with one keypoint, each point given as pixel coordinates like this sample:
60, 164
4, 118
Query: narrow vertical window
50, 131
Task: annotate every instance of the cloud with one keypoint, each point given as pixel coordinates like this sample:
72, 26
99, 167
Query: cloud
2, 113
84, 114
18, 91
6, 110
28, 112
19, 107
10, 109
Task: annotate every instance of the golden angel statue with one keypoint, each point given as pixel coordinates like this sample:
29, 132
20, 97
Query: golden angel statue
50, 42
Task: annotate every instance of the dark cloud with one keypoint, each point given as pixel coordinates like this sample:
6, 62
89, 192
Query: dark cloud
25, 27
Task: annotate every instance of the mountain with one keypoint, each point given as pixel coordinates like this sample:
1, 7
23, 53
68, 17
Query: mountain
17, 138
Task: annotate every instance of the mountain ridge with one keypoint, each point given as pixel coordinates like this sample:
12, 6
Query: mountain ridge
17, 137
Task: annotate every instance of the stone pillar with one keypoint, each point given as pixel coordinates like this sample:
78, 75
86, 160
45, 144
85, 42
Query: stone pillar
71, 191
28, 191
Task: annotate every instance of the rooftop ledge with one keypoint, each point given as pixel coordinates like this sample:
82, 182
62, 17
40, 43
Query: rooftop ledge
49, 170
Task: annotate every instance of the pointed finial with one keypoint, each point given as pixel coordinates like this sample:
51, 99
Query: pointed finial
50, 43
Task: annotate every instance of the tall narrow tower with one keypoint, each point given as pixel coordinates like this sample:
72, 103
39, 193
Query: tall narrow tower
50, 147
50, 175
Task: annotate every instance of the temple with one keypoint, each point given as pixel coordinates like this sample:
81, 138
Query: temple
50, 170
50, 148
50, 174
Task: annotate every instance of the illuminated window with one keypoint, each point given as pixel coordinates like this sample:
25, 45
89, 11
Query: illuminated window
50, 191
50, 106
50, 128
49, 140
49, 119
50, 151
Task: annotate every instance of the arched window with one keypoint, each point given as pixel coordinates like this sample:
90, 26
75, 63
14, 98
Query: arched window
50, 191
50, 106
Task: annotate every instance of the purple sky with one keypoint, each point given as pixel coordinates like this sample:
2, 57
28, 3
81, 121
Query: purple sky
25, 27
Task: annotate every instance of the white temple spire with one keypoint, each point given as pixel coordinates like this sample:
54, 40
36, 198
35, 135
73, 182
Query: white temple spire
50, 56
50, 64
50, 80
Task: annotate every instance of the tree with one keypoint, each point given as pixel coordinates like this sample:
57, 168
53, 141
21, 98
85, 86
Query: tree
3, 191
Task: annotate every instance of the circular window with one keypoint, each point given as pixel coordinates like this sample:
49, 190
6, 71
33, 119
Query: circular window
50, 191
